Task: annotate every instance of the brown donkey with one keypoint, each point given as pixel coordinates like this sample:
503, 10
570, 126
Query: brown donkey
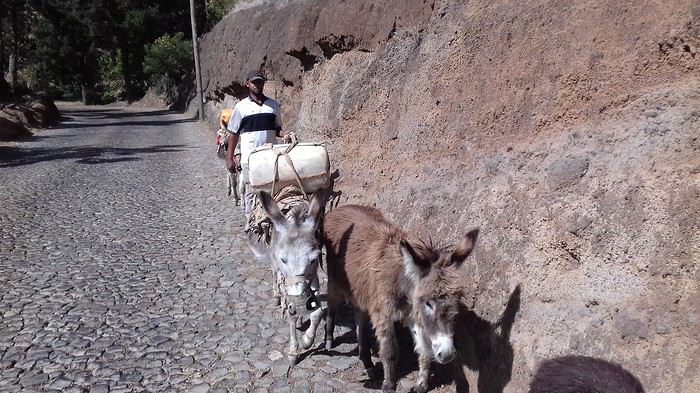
583, 374
389, 279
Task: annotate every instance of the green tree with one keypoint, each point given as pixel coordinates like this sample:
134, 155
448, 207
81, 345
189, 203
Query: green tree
64, 49
167, 61
217, 9
112, 85
76, 44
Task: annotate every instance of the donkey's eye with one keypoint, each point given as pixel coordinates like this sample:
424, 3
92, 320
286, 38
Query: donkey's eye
284, 260
429, 305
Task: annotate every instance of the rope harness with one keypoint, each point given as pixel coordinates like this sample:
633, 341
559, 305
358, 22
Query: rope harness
285, 153
305, 303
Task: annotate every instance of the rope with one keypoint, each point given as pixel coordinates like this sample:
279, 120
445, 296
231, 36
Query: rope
298, 303
285, 154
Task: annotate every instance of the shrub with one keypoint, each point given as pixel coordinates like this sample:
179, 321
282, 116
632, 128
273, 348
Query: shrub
167, 61
111, 83
217, 9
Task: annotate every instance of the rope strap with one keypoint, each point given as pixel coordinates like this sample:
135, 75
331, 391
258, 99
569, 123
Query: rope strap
285, 154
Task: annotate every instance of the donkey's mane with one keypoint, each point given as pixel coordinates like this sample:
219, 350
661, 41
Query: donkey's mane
430, 251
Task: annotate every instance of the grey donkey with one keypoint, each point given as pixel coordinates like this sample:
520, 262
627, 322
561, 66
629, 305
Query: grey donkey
294, 253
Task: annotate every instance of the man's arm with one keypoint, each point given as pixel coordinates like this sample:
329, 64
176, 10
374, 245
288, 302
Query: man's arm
278, 122
233, 160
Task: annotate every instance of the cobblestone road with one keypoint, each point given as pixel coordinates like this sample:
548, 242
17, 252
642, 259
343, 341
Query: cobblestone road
123, 268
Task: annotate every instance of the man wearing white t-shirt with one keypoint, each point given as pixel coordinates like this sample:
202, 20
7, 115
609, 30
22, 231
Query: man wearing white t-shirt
256, 121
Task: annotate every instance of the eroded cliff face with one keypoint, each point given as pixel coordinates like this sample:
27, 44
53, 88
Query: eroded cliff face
567, 131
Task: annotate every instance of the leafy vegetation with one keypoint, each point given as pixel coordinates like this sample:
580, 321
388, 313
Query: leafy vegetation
110, 71
99, 50
167, 60
217, 9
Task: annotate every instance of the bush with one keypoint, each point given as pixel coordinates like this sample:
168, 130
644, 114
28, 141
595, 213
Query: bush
167, 61
111, 84
217, 9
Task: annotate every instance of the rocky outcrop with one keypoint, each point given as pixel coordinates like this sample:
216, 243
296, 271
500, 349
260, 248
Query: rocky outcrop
17, 119
566, 131
11, 127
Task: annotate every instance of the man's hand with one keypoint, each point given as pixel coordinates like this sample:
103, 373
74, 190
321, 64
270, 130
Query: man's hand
230, 164
289, 137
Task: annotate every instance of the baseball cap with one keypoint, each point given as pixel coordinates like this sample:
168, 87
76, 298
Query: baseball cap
254, 75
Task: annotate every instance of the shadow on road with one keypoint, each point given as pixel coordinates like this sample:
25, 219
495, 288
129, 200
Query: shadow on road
111, 113
86, 118
69, 124
11, 156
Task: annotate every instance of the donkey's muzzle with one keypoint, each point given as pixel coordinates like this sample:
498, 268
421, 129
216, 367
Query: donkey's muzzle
445, 357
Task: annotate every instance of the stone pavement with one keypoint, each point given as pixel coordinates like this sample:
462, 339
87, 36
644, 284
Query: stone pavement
123, 268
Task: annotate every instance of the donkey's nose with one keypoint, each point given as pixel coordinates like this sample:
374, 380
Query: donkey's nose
445, 356
443, 348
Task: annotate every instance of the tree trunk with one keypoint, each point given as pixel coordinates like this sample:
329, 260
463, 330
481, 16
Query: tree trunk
2, 52
14, 56
126, 72
12, 72
83, 92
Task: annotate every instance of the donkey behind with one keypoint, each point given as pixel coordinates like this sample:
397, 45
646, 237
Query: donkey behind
389, 279
583, 374
294, 252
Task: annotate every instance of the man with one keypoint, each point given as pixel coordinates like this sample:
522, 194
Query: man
256, 121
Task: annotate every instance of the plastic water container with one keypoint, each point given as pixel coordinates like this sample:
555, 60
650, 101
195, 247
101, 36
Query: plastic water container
309, 159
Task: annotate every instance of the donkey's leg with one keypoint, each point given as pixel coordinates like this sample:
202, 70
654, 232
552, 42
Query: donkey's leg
362, 322
307, 340
234, 186
460, 375
388, 349
423, 349
423, 373
330, 317
314, 285
276, 291
293, 343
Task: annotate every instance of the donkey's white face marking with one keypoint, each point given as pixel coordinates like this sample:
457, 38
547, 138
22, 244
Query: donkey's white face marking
443, 347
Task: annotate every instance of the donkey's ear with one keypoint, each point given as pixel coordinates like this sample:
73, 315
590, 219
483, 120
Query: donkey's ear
272, 210
315, 212
464, 248
414, 266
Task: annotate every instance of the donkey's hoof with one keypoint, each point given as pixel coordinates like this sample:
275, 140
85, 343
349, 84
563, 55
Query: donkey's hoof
307, 342
420, 388
389, 387
329, 344
375, 372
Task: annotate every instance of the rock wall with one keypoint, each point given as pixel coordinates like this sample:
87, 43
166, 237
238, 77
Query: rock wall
17, 119
567, 131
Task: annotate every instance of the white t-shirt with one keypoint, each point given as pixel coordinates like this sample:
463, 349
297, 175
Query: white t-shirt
255, 124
